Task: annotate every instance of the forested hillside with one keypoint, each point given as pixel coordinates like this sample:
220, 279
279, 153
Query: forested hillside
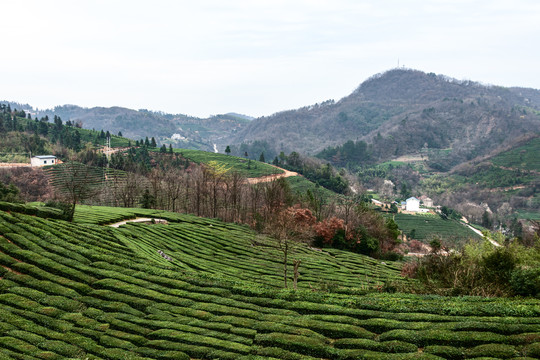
177, 129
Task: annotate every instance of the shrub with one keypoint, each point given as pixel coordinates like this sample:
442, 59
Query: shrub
526, 282
499, 265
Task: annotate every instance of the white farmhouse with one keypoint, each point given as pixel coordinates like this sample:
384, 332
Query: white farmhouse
43, 160
412, 204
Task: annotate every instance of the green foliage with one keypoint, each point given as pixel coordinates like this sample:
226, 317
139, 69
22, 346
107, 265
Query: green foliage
526, 282
323, 175
482, 269
9, 193
499, 264
350, 152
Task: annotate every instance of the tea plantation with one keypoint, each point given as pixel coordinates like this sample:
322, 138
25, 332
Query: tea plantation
202, 289
247, 168
427, 227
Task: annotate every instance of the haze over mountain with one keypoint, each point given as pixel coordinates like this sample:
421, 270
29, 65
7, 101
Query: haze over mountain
402, 111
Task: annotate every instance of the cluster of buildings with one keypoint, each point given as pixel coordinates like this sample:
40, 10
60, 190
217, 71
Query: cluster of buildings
411, 205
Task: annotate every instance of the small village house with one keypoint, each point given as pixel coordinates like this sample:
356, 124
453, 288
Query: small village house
426, 201
412, 204
43, 160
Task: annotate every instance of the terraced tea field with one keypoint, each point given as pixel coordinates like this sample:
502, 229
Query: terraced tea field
236, 252
81, 290
246, 168
524, 157
426, 227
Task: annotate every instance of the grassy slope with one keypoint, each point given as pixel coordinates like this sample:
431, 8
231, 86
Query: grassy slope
88, 291
256, 168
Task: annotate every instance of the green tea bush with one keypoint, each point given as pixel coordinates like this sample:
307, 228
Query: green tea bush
111, 341
61, 348
279, 353
194, 351
532, 350
396, 346
494, 350
295, 343
132, 338
19, 301
447, 352
373, 355
524, 338
160, 354
29, 337
443, 337
195, 339
17, 345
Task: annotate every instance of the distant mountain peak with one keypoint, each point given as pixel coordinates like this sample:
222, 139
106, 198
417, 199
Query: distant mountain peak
400, 111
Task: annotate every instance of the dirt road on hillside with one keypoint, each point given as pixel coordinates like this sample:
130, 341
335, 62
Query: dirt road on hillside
13, 165
268, 178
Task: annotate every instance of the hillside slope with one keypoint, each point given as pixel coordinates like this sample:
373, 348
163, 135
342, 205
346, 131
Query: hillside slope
402, 111
94, 292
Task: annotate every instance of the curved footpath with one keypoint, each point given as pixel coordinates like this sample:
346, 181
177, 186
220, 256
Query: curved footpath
161, 221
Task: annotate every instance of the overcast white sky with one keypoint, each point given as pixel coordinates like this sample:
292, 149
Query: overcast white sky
254, 57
